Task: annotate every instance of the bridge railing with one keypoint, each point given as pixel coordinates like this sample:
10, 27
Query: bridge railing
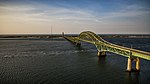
103, 45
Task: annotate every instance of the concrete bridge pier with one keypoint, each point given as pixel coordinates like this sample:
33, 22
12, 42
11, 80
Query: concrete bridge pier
137, 64
77, 43
101, 53
129, 64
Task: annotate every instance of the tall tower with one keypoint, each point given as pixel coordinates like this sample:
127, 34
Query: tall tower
62, 34
51, 30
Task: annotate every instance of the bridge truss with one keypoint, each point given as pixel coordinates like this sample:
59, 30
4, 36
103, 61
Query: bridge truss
103, 46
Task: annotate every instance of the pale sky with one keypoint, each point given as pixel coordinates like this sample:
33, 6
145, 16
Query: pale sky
74, 16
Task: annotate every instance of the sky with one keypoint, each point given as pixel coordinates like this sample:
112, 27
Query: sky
74, 16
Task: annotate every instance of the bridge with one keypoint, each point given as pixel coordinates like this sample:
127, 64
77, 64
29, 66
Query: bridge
102, 46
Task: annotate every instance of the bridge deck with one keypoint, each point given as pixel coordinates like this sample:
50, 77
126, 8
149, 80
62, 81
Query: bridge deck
103, 45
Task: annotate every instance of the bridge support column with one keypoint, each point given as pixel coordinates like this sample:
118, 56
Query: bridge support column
137, 64
129, 64
101, 53
77, 43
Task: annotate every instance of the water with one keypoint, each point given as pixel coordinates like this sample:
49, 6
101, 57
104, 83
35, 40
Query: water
57, 61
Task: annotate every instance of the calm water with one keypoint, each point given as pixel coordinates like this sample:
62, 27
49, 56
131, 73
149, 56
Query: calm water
56, 61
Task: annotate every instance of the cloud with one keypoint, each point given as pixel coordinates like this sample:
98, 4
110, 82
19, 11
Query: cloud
48, 13
30, 15
130, 14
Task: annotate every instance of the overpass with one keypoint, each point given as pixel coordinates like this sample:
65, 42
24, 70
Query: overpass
102, 46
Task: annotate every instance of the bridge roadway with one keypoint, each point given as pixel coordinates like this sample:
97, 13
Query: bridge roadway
103, 46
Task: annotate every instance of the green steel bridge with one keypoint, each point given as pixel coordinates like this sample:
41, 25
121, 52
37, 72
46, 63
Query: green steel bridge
103, 46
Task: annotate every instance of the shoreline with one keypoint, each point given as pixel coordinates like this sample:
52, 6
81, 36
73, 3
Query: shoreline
74, 35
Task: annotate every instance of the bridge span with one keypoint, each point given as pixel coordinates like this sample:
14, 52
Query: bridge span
103, 46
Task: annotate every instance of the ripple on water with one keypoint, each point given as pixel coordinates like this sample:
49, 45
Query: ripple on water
57, 62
